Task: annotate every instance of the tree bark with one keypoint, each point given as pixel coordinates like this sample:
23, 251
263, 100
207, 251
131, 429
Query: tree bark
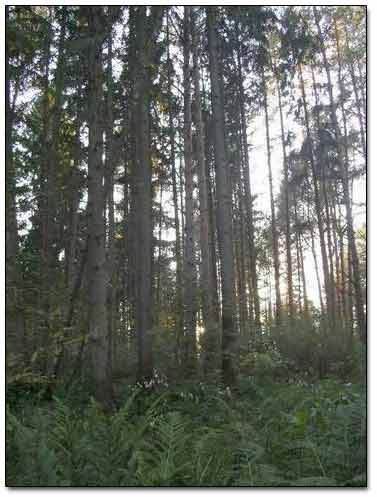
275, 242
291, 306
109, 203
177, 245
146, 30
223, 209
189, 254
14, 319
207, 278
97, 278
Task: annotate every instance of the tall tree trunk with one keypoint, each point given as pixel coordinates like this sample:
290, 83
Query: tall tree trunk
239, 243
207, 278
189, 254
334, 228
50, 160
146, 29
177, 245
314, 252
303, 275
344, 177
275, 242
43, 198
343, 290
298, 258
318, 208
109, 203
224, 208
97, 278
209, 145
73, 206
14, 319
324, 183
158, 262
291, 306
142, 184
249, 202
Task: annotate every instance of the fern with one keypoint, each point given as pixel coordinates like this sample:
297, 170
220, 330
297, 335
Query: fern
297, 436
163, 458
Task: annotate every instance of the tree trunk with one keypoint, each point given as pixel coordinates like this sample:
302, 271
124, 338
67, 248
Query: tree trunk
249, 202
223, 209
109, 203
97, 278
314, 252
189, 254
142, 182
14, 315
344, 177
286, 204
177, 245
318, 208
207, 278
275, 242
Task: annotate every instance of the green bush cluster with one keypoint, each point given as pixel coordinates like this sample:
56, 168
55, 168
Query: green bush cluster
307, 344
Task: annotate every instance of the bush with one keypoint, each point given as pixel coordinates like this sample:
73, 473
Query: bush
308, 345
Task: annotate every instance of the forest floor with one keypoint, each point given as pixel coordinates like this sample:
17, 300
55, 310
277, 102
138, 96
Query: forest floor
300, 433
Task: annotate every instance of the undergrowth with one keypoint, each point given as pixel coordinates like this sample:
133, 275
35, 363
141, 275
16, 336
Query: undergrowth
298, 434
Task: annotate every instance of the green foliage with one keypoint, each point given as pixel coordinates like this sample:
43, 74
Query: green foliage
195, 435
307, 345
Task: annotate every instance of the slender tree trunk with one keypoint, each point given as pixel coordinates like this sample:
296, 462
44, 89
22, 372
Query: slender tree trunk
343, 290
323, 161
211, 219
177, 246
249, 203
50, 191
97, 278
303, 275
142, 181
73, 206
318, 208
206, 269
189, 255
291, 306
314, 252
142, 202
224, 209
182, 207
14, 316
275, 242
239, 222
344, 177
298, 258
158, 263
336, 254
109, 203
43, 197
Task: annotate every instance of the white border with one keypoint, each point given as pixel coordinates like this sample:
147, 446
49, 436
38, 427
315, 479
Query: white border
372, 246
